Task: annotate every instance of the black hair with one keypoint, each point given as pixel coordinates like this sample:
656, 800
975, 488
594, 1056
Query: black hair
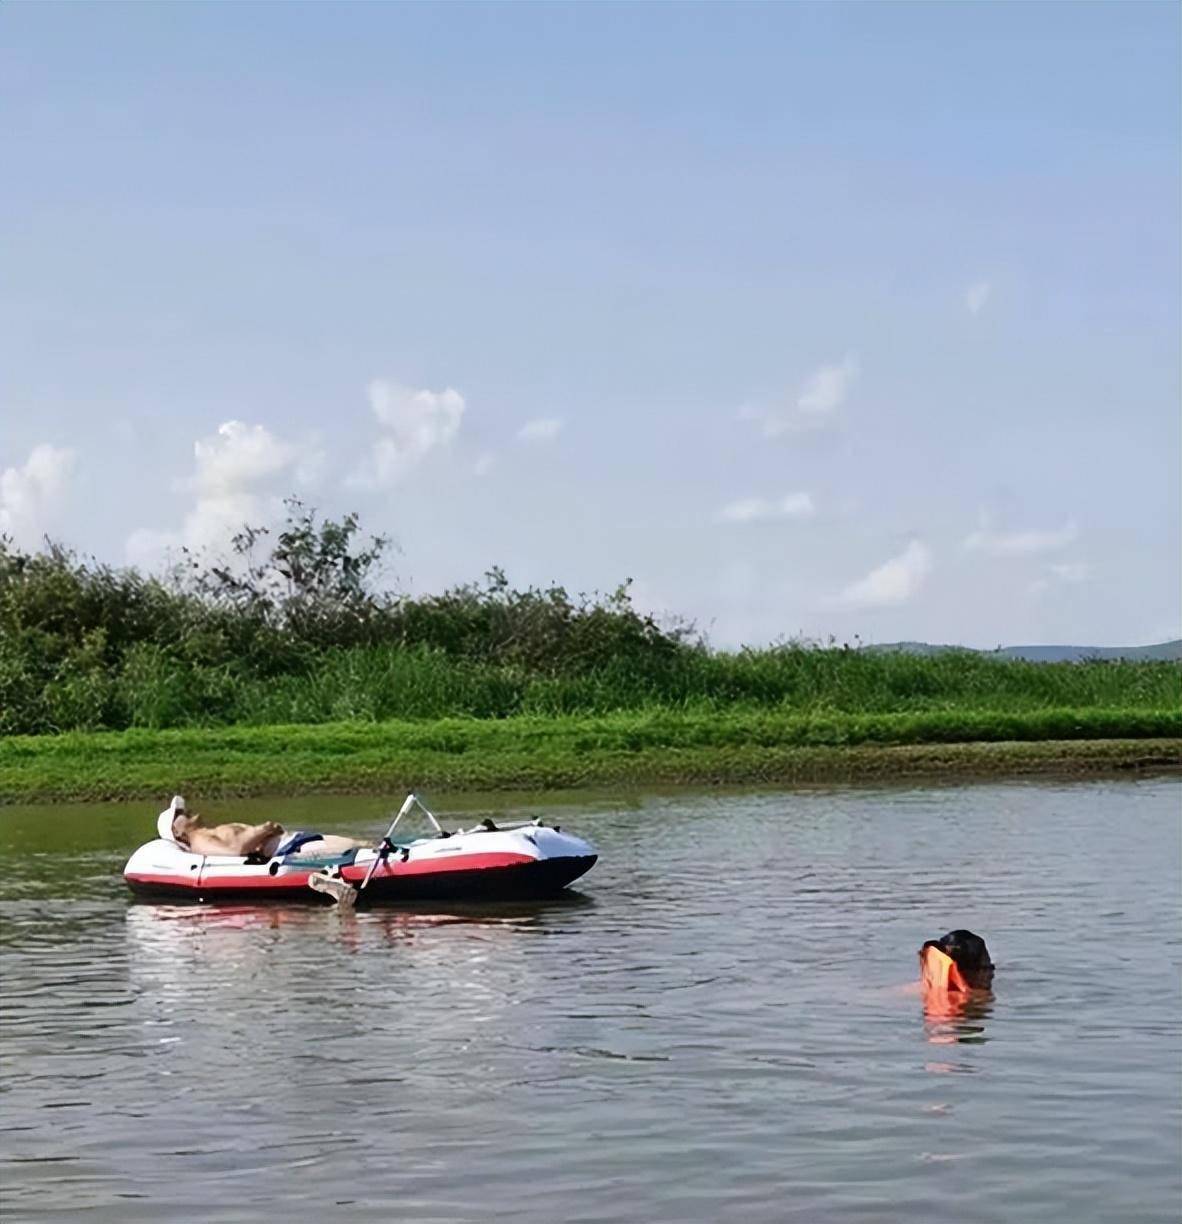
969, 953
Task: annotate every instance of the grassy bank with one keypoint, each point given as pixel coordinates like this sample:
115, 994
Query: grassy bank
646, 748
378, 683
287, 670
301, 638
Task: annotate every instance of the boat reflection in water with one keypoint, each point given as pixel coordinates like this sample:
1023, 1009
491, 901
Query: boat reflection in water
204, 974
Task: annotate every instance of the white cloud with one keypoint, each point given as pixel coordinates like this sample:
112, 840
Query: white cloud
823, 392
894, 582
240, 475
827, 387
544, 429
752, 509
414, 423
30, 496
1071, 571
1023, 543
484, 464
1060, 574
149, 549
237, 456
976, 295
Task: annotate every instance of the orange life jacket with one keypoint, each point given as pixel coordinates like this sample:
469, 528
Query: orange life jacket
938, 971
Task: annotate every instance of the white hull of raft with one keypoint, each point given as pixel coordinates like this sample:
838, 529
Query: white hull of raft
524, 862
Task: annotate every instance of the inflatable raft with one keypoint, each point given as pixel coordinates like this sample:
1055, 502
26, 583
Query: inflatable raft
514, 861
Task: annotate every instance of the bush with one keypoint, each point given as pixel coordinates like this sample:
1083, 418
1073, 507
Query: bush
298, 633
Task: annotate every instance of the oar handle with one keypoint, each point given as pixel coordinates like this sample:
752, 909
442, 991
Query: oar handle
386, 845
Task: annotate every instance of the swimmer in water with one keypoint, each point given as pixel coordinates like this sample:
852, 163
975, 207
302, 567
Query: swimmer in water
956, 963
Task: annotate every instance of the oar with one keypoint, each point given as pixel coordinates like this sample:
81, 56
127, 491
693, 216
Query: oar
341, 891
386, 845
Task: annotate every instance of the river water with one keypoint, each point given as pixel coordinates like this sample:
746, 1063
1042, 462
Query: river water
719, 1023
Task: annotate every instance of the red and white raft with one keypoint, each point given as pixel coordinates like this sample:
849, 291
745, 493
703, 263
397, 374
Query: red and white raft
514, 861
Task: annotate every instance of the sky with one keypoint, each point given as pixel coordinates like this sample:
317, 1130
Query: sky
835, 320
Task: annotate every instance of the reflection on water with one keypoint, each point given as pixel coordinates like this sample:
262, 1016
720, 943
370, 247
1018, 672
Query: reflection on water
715, 1029
956, 1016
224, 961
147, 921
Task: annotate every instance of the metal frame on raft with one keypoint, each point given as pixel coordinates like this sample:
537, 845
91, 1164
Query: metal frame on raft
412, 800
346, 895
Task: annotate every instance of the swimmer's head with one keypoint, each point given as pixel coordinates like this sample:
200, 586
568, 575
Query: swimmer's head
958, 961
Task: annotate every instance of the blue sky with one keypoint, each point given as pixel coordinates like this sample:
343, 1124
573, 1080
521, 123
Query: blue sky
829, 319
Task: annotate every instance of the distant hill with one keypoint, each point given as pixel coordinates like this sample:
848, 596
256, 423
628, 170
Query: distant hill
1170, 651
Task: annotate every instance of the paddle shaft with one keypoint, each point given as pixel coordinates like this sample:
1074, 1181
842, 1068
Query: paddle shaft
384, 844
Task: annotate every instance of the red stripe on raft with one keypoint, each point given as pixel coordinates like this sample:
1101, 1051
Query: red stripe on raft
442, 864
137, 877
263, 880
290, 880
192, 881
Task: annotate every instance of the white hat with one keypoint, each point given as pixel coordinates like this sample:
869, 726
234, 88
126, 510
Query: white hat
165, 820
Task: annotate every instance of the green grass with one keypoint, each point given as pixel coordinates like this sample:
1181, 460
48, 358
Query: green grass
152, 688
299, 634
291, 672
380, 683
661, 746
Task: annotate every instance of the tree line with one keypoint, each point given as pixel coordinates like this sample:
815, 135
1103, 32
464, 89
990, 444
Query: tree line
298, 627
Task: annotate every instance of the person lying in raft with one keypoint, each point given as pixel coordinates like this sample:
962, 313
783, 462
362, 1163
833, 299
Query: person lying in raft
267, 840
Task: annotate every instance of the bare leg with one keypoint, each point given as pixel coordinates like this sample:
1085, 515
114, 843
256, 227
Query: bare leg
264, 838
236, 839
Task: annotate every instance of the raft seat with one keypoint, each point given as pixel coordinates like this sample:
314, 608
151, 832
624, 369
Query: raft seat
319, 861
